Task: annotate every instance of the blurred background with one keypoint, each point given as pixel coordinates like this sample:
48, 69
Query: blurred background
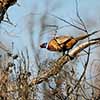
33, 23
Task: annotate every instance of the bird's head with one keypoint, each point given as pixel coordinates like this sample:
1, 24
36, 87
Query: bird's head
43, 45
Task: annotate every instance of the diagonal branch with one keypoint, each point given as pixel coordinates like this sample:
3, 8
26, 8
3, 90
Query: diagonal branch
77, 27
56, 67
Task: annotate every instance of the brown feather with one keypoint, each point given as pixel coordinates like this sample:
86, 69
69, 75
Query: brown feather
64, 43
62, 39
53, 45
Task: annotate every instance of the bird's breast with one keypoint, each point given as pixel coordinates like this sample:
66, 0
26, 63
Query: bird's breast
54, 46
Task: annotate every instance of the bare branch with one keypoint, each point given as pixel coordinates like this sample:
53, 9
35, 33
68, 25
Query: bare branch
78, 15
4, 5
69, 23
56, 68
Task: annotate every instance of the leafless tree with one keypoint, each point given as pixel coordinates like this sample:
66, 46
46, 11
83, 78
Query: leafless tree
55, 79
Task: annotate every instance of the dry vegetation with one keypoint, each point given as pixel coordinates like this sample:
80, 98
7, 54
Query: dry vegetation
56, 79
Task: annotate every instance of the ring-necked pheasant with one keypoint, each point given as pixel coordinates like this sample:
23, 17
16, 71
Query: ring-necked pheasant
63, 43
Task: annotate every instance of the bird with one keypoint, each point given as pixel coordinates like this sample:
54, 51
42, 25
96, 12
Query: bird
63, 43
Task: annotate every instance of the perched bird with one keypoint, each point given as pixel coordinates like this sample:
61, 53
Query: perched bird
63, 43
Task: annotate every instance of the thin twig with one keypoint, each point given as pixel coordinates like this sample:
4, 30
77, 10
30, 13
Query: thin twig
68, 23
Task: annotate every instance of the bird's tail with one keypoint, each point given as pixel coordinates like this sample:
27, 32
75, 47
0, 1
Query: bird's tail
85, 36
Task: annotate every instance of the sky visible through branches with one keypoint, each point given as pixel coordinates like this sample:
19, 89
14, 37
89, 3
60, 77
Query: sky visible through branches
34, 22
63, 8
23, 17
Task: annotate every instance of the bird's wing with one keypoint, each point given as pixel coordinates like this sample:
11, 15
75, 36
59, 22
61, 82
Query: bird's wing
62, 39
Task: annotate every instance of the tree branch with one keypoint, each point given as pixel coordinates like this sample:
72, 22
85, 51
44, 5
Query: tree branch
56, 67
4, 5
